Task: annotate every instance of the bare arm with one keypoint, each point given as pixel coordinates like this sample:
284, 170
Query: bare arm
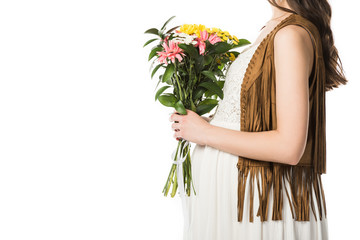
293, 56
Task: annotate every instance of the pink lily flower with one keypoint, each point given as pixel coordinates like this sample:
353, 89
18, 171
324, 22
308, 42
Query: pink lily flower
171, 52
214, 39
203, 37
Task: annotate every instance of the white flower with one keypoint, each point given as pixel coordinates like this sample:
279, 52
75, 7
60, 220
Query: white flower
185, 38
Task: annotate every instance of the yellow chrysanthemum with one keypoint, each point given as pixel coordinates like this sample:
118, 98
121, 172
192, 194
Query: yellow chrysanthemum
224, 35
202, 27
187, 28
195, 29
212, 31
199, 28
218, 61
215, 30
232, 57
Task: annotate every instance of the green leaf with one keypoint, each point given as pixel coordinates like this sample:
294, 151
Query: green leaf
163, 27
179, 106
183, 72
153, 52
221, 66
160, 91
199, 63
198, 92
160, 77
168, 73
167, 99
213, 87
150, 41
234, 52
207, 59
172, 29
210, 75
162, 35
208, 45
222, 47
221, 84
190, 49
152, 31
205, 108
208, 101
155, 69
169, 81
241, 43
218, 72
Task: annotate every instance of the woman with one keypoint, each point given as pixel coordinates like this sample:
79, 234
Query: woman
297, 135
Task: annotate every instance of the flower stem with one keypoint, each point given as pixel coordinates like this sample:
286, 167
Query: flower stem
177, 80
171, 173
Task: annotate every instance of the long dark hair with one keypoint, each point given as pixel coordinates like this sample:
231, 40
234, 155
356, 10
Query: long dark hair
319, 13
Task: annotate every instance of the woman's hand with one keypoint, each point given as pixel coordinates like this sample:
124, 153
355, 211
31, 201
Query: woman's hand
208, 119
191, 127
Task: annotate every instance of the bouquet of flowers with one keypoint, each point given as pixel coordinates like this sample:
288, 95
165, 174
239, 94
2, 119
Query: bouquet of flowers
194, 60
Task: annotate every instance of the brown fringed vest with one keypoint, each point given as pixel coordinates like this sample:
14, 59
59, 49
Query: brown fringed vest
258, 113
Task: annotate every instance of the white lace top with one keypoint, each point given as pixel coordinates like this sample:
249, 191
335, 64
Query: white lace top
229, 109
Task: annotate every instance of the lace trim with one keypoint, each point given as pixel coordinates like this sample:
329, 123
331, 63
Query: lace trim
228, 109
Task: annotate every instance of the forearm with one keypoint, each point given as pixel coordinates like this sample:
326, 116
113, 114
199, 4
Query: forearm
265, 146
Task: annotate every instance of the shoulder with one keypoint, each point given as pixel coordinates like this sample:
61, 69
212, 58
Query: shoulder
293, 36
294, 41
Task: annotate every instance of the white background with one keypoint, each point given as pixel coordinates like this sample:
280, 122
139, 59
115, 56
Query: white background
85, 150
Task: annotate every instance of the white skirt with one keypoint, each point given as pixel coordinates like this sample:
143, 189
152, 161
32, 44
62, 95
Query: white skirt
212, 212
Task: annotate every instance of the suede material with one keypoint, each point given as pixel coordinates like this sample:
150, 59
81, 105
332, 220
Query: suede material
258, 113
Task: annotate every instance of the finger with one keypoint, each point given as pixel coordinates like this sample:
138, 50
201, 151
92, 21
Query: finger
175, 126
171, 113
177, 135
175, 117
171, 117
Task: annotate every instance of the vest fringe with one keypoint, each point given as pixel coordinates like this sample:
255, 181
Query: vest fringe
258, 113
301, 181
320, 111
